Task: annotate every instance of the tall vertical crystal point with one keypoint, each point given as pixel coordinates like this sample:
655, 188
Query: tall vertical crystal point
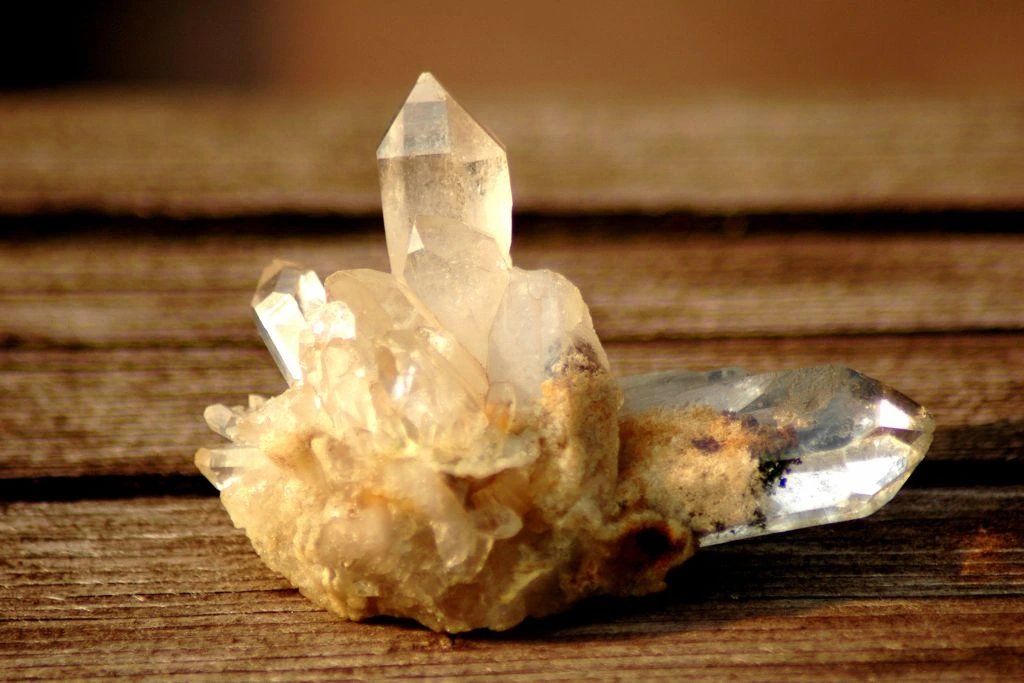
435, 160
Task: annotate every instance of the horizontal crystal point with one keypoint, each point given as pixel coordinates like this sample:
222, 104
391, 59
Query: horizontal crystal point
842, 444
436, 160
223, 466
286, 292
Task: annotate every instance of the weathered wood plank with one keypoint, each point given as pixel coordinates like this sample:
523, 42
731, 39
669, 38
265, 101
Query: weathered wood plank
196, 290
160, 587
802, 640
112, 342
216, 154
122, 411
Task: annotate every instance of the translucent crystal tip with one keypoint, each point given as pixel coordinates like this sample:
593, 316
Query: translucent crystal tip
427, 88
436, 160
285, 294
223, 466
828, 443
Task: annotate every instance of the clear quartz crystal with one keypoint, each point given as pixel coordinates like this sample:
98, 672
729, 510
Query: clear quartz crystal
452, 447
435, 160
461, 275
223, 466
541, 318
286, 292
851, 442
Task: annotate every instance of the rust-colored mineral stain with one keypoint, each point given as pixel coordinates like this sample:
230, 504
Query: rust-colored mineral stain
695, 465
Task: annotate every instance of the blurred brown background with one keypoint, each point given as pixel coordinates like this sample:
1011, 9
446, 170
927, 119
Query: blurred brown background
221, 107
943, 46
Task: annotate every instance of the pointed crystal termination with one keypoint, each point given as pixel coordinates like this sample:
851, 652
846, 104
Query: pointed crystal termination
223, 466
435, 160
829, 444
285, 294
542, 325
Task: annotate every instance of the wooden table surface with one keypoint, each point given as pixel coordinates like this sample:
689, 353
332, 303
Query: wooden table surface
116, 558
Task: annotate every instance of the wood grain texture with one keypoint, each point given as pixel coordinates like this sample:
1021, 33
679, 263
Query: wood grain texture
103, 290
159, 587
193, 154
116, 559
125, 411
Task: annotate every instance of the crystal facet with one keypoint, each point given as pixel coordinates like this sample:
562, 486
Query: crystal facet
541, 321
453, 448
435, 160
461, 275
223, 466
847, 442
285, 294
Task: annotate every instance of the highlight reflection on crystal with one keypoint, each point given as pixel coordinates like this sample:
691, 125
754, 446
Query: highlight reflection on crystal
851, 441
285, 294
452, 446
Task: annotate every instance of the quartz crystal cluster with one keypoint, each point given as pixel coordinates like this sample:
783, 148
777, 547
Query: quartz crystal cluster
453, 448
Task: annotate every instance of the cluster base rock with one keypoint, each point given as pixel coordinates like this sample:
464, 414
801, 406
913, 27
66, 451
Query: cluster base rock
453, 448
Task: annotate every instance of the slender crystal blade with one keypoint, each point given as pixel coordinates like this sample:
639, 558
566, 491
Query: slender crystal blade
286, 292
435, 160
849, 442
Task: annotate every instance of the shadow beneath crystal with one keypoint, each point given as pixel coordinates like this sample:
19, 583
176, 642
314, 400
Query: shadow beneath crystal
974, 455
927, 543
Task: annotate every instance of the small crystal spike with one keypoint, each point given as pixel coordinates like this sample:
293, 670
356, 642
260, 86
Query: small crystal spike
222, 466
435, 160
286, 292
845, 443
222, 419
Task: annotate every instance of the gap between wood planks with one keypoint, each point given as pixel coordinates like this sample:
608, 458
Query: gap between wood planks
648, 284
670, 259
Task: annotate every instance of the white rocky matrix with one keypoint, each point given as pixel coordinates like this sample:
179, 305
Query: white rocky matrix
449, 449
